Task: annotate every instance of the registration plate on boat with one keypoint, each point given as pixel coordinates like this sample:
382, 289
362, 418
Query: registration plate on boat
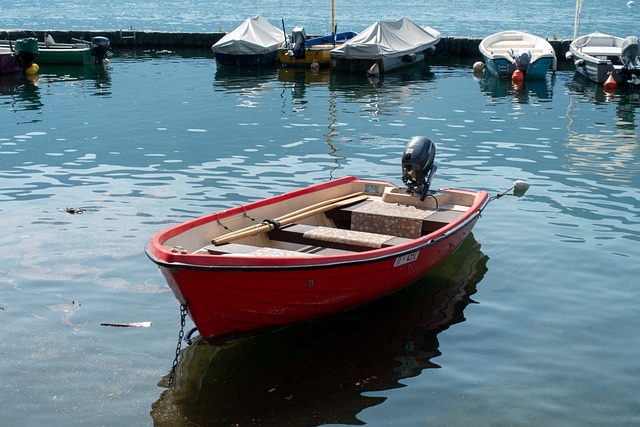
404, 259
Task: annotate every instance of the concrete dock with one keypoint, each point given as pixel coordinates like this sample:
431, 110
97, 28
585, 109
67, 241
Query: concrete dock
462, 47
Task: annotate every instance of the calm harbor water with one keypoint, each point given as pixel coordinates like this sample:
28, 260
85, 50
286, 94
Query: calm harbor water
532, 323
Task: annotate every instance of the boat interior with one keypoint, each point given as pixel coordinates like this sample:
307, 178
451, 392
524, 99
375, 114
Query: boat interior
369, 222
346, 216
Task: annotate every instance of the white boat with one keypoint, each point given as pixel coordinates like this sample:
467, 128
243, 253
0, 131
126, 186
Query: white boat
507, 51
598, 56
254, 42
385, 46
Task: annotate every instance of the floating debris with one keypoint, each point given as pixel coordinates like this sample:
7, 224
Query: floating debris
128, 325
75, 211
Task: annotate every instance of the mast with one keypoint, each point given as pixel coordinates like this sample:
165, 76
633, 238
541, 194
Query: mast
333, 25
332, 16
576, 21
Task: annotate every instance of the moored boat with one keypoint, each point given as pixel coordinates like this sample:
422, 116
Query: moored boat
507, 51
314, 52
300, 51
603, 58
323, 249
598, 56
254, 42
385, 46
95, 51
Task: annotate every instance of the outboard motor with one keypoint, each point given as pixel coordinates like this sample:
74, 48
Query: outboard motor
417, 165
26, 51
523, 60
630, 56
299, 40
100, 47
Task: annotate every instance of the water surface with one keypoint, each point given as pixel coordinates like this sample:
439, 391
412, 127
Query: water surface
531, 324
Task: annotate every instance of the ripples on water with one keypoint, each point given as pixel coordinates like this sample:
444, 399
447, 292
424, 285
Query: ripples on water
156, 139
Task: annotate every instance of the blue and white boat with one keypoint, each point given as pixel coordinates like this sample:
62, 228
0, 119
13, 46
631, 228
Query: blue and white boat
508, 51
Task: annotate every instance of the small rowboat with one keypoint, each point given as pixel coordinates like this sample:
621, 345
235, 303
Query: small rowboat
507, 51
96, 51
322, 250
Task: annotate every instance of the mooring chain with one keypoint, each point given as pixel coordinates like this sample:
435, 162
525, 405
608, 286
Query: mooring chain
183, 319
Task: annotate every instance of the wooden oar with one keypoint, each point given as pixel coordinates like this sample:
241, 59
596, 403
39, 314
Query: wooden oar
290, 218
294, 213
320, 204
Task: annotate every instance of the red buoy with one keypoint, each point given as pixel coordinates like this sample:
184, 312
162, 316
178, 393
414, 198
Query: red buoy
517, 76
610, 84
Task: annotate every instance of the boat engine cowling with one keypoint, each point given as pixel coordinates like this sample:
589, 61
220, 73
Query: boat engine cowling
299, 41
26, 51
630, 56
100, 46
417, 165
523, 60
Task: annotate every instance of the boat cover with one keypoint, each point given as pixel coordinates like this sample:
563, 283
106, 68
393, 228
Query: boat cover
388, 39
255, 36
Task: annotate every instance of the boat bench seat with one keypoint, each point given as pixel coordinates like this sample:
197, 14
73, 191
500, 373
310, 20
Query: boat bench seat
336, 238
241, 249
390, 218
510, 44
601, 50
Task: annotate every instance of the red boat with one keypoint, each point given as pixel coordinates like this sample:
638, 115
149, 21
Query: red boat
18, 57
322, 249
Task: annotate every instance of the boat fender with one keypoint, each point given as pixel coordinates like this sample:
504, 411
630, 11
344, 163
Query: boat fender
579, 63
409, 58
610, 84
568, 56
32, 70
374, 70
517, 76
519, 187
478, 67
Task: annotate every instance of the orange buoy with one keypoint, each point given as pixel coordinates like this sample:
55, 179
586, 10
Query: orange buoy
610, 84
517, 76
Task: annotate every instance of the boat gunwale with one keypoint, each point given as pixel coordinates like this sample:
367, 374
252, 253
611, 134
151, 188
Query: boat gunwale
162, 256
330, 261
546, 50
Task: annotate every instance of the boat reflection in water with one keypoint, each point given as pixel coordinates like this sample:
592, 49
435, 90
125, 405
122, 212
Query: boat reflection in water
528, 91
23, 91
596, 144
242, 78
625, 98
318, 372
92, 79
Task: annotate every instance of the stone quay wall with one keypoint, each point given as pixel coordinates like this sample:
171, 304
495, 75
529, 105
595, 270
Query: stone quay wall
461, 47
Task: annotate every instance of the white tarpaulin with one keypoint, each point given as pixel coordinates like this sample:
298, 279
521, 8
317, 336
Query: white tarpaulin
255, 36
388, 39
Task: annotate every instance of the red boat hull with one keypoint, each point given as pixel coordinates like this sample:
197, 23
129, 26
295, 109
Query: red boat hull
8, 64
246, 295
